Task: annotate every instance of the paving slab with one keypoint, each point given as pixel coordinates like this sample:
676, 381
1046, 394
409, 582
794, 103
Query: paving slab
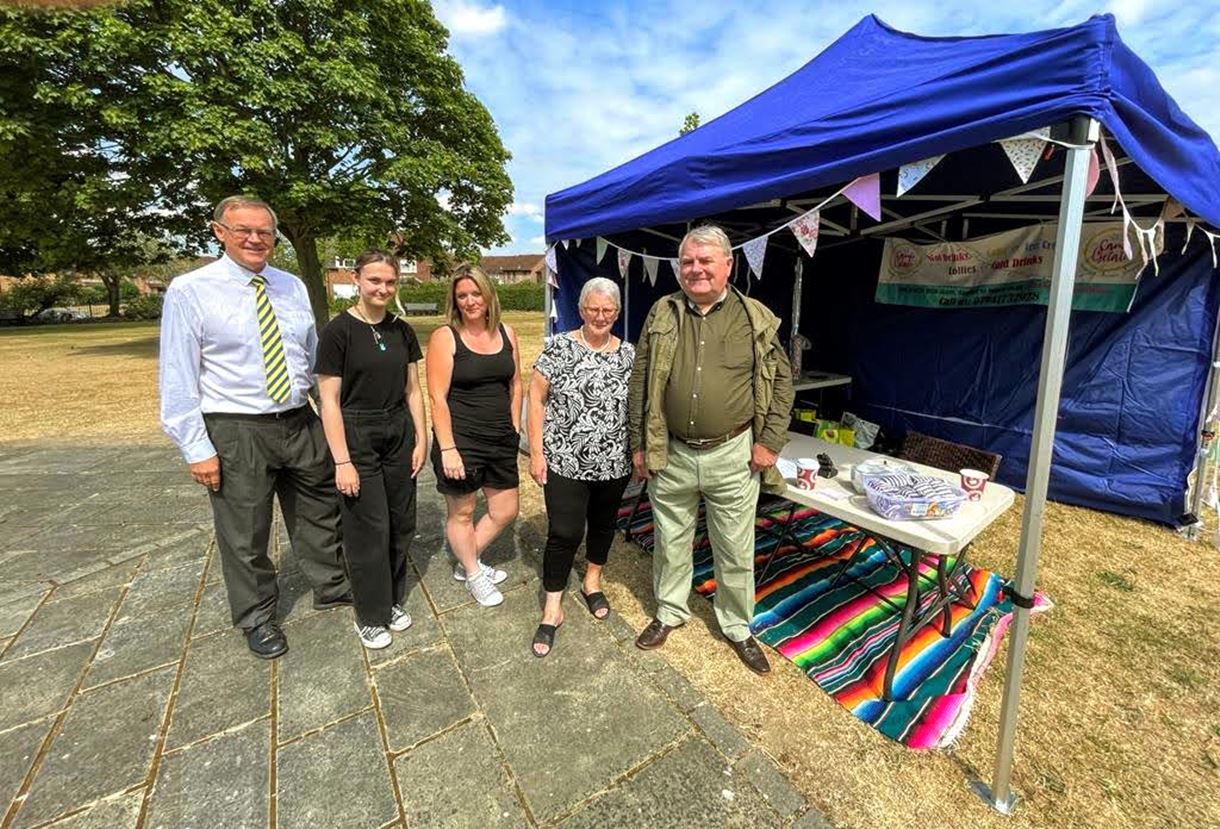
218, 783
104, 747
165, 590
39, 685
421, 695
33, 565
62, 623
693, 785
213, 614
138, 639
423, 633
188, 550
335, 778
118, 575
17, 611
322, 677
120, 812
222, 686
18, 748
54, 459
568, 696
467, 753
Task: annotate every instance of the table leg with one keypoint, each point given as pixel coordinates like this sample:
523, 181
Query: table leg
904, 626
783, 536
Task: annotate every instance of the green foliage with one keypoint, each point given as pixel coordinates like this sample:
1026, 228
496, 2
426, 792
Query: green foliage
128, 290
690, 123
147, 307
31, 294
349, 118
520, 296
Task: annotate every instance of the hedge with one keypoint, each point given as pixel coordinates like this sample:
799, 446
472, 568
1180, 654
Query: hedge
519, 296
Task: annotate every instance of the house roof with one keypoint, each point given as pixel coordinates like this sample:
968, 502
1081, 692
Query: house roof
515, 262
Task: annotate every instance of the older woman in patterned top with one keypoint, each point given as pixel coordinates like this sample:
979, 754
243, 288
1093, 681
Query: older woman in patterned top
579, 454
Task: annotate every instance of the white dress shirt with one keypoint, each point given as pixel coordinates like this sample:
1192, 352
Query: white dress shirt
212, 356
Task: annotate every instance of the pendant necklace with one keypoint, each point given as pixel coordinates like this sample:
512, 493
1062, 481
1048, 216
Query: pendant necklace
373, 328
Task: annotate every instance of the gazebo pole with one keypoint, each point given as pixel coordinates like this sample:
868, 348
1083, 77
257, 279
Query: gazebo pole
1084, 131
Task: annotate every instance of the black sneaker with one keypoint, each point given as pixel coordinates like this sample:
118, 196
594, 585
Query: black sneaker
267, 641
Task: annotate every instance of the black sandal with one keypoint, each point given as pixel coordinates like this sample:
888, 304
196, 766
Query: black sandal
596, 601
545, 635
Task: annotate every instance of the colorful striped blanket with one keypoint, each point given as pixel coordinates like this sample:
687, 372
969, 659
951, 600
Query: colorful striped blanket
841, 637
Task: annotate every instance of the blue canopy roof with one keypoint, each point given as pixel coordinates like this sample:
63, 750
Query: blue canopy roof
877, 98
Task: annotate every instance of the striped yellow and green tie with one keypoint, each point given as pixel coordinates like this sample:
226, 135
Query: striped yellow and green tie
278, 385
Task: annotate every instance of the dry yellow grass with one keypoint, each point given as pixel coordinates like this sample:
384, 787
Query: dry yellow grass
1120, 715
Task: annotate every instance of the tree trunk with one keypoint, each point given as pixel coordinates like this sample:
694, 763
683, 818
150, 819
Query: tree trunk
306, 247
112, 293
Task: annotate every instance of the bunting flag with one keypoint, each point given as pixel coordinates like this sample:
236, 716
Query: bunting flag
552, 260
1211, 238
1190, 229
650, 268
567, 243
805, 229
677, 266
1112, 168
551, 279
911, 174
865, 193
1024, 153
1094, 173
554, 312
601, 249
624, 262
755, 251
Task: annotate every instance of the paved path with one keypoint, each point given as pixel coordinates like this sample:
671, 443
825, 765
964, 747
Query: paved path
127, 700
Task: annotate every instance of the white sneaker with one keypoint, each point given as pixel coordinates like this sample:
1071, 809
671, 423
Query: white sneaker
484, 592
373, 637
399, 618
496, 576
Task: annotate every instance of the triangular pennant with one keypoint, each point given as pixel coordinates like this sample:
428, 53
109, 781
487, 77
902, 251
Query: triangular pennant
567, 243
1094, 172
865, 193
554, 312
602, 244
551, 280
650, 268
1113, 170
1172, 208
805, 229
1211, 238
1127, 223
552, 259
1024, 153
1190, 229
755, 251
910, 174
673, 263
624, 262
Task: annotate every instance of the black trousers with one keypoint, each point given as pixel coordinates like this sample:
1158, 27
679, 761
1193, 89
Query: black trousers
572, 506
261, 457
379, 523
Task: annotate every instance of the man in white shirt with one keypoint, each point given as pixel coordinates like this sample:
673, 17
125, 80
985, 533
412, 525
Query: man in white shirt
237, 351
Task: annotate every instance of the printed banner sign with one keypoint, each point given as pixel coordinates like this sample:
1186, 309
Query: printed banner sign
1012, 268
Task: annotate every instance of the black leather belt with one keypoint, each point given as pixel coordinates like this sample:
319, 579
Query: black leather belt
291, 413
712, 443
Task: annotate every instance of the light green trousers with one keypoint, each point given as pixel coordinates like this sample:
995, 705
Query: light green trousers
730, 490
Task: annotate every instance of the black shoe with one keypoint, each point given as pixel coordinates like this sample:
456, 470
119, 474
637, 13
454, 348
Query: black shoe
267, 641
344, 600
751, 654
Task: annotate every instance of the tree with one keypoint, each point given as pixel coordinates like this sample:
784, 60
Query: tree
348, 117
690, 123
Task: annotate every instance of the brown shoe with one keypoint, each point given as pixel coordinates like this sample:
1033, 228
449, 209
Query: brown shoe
653, 636
750, 653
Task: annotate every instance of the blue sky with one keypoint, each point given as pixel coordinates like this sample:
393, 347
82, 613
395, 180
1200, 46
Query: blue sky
579, 87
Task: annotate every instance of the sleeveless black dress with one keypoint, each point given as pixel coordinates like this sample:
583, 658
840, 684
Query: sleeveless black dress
480, 401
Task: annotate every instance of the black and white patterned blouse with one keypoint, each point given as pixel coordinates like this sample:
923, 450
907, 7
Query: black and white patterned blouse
584, 433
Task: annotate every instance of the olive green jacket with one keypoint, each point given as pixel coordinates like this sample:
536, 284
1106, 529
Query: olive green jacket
654, 359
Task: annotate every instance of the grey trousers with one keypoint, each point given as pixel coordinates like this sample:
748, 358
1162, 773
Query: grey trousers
262, 457
730, 492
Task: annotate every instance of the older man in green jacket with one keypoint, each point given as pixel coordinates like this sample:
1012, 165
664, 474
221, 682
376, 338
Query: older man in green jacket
711, 395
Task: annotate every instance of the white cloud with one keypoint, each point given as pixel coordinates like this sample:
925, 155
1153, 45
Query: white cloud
1129, 12
526, 209
470, 19
539, 241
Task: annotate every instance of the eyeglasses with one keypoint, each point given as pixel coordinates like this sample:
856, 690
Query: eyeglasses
600, 312
263, 235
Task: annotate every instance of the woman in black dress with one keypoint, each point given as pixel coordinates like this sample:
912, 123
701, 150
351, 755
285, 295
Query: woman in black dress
474, 384
373, 415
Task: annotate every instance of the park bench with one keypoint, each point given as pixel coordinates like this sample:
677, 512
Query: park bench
420, 307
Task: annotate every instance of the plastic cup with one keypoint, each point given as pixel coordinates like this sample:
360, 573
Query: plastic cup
974, 482
806, 473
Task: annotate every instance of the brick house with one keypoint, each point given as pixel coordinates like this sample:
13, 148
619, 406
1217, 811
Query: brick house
524, 267
340, 278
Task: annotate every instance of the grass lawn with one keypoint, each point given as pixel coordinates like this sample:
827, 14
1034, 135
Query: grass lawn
1120, 715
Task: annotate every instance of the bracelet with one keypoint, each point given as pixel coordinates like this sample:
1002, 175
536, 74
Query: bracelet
447, 448
341, 463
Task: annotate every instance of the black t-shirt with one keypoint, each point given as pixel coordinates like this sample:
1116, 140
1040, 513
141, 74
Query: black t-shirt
373, 378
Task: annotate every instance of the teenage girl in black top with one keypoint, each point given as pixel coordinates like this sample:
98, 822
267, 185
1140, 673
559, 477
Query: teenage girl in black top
474, 384
373, 415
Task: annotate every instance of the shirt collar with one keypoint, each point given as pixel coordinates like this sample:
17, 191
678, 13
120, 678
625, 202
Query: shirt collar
690, 303
236, 271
